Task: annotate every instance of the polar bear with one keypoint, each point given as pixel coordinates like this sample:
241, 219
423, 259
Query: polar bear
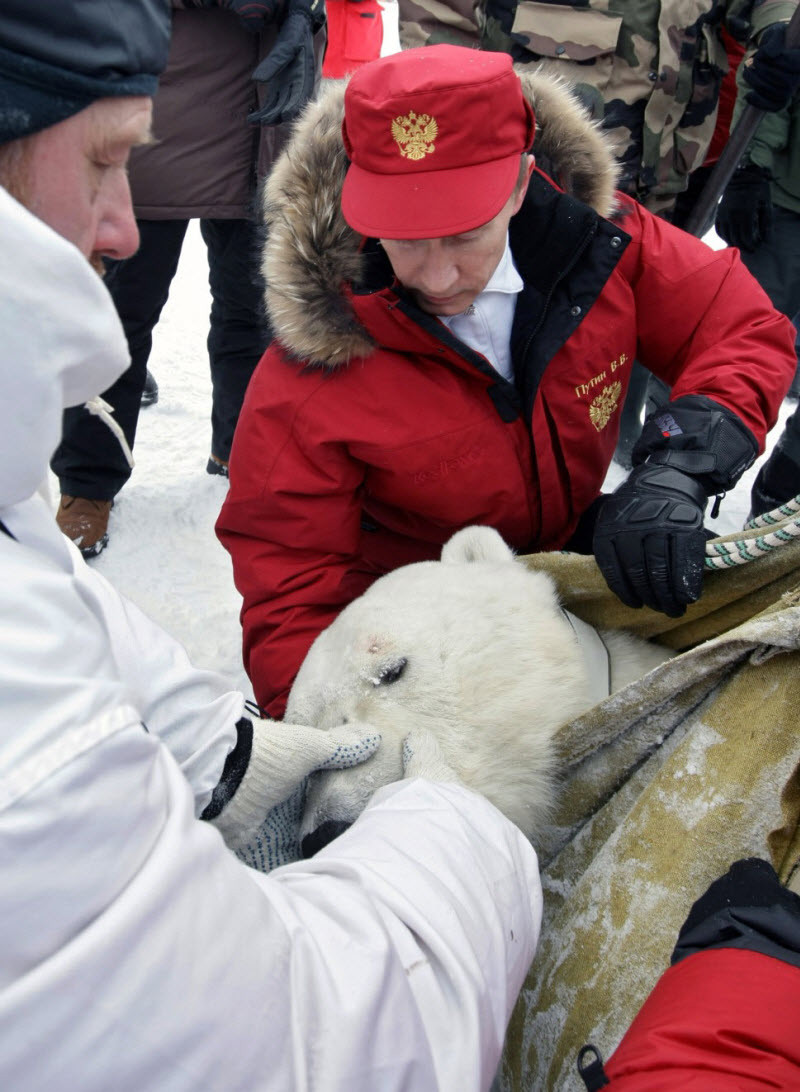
474, 647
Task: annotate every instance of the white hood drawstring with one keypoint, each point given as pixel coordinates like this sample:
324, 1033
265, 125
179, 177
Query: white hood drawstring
98, 407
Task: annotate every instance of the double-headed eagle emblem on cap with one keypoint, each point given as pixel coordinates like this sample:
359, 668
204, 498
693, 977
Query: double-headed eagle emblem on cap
415, 135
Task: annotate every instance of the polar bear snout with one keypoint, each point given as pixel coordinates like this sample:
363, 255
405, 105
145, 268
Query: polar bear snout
322, 836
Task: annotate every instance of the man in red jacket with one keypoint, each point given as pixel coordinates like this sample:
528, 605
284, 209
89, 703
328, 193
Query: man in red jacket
454, 334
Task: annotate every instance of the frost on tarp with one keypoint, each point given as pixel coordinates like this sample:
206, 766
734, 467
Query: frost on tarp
664, 785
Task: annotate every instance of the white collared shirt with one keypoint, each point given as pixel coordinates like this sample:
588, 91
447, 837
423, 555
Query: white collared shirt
486, 324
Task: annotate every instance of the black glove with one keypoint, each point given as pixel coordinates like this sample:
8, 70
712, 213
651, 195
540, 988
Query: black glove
773, 72
289, 69
649, 540
253, 14
744, 215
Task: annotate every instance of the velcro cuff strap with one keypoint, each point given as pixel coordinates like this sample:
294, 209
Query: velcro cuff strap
689, 462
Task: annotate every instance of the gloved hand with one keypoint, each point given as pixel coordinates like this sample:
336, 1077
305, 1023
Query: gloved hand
649, 540
289, 69
259, 799
744, 215
773, 71
253, 14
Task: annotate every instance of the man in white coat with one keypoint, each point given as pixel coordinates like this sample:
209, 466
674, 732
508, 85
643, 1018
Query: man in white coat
136, 950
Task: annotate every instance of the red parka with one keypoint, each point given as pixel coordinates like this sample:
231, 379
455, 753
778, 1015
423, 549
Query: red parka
370, 434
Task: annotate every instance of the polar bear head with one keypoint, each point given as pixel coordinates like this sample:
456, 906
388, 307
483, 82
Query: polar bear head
474, 647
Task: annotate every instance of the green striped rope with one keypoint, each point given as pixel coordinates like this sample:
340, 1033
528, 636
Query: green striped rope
724, 555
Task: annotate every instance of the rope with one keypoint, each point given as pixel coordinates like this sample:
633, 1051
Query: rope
724, 555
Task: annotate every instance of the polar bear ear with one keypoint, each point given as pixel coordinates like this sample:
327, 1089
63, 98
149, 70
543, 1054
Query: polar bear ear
475, 544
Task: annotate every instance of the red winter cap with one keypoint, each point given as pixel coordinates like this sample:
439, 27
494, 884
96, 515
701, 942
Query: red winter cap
434, 137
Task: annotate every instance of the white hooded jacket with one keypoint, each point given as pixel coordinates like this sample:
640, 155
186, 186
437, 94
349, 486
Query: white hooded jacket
136, 952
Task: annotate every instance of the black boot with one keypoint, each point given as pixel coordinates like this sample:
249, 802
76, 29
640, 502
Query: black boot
150, 392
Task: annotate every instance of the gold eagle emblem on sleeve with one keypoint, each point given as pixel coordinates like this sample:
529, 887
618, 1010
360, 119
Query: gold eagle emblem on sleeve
415, 135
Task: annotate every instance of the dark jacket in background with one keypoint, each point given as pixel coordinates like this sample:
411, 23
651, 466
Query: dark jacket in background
206, 163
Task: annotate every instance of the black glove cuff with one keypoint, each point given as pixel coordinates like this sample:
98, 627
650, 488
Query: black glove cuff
747, 174
233, 771
700, 438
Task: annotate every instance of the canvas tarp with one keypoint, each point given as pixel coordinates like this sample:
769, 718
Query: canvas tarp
664, 785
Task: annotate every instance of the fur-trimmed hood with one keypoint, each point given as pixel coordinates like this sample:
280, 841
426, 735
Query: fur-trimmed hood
311, 253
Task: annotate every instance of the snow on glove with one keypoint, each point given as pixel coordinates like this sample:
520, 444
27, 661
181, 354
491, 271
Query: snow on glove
253, 14
257, 804
649, 539
289, 69
773, 72
744, 215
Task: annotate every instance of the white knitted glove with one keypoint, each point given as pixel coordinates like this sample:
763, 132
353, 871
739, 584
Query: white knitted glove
266, 778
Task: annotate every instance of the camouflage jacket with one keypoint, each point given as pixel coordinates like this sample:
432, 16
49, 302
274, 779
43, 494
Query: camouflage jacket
649, 70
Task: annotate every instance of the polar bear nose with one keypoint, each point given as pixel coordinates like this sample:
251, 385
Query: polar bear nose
322, 836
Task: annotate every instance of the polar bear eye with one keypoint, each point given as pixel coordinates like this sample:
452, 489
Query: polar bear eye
391, 672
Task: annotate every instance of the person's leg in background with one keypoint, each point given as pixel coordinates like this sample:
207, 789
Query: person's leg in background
778, 480
776, 266
89, 462
239, 331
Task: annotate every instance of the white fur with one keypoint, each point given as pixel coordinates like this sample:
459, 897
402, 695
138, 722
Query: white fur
492, 669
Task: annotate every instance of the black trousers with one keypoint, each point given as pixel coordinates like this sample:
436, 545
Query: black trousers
776, 266
89, 462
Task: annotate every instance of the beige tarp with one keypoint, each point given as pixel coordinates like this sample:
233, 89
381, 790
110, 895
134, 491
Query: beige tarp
665, 784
